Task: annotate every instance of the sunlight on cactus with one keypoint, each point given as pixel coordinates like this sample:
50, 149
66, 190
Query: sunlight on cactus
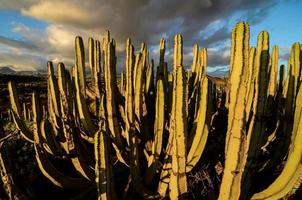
149, 134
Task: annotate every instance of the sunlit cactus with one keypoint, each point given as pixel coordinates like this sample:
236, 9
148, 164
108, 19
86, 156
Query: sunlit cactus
144, 133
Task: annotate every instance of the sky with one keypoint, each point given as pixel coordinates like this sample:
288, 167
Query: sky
35, 31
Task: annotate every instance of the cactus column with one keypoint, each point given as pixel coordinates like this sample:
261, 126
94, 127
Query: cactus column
235, 152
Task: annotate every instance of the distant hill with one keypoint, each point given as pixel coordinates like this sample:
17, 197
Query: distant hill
219, 73
10, 70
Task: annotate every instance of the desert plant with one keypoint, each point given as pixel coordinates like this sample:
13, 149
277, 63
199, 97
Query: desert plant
157, 126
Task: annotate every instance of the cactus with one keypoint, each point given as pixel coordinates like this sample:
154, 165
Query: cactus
290, 177
158, 127
16, 113
80, 65
251, 82
10, 186
236, 148
103, 170
44, 164
178, 181
153, 160
273, 72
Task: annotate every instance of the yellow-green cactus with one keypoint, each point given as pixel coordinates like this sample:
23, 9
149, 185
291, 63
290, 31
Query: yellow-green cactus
272, 87
236, 149
291, 175
178, 180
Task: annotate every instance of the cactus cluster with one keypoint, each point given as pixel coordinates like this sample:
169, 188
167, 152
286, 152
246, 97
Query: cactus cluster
154, 127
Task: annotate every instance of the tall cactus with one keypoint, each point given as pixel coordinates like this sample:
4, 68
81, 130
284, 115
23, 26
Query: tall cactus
103, 169
178, 180
291, 176
158, 128
236, 149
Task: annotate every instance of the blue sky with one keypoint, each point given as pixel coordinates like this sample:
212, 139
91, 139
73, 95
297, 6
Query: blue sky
34, 31
9, 18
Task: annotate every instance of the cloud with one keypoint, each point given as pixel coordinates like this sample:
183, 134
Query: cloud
16, 4
146, 21
21, 60
16, 43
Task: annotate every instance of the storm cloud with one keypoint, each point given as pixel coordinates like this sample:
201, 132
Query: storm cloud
206, 22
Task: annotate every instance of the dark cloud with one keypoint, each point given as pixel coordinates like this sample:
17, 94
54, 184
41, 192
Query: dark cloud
146, 21
17, 43
220, 35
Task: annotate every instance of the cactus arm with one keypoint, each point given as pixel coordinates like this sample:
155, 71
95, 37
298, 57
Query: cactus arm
94, 62
16, 113
130, 127
80, 65
235, 154
111, 89
6, 172
103, 176
129, 86
291, 175
91, 55
97, 61
110, 94
56, 177
50, 145
21, 126
97, 74
251, 82
62, 85
47, 169
256, 132
281, 80
259, 102
178, 180
54, 90
53, 100
135, 168
178, 51
82, 106
204, 52
72, 147
200, 128
286, 125
122, 84
161, 68
76, 153
139, 85
272, 85
153, 160
167, 166
192, 76
39, 127
81, 164
149, 78
13, 97
195, 58
297, 65
166, 169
